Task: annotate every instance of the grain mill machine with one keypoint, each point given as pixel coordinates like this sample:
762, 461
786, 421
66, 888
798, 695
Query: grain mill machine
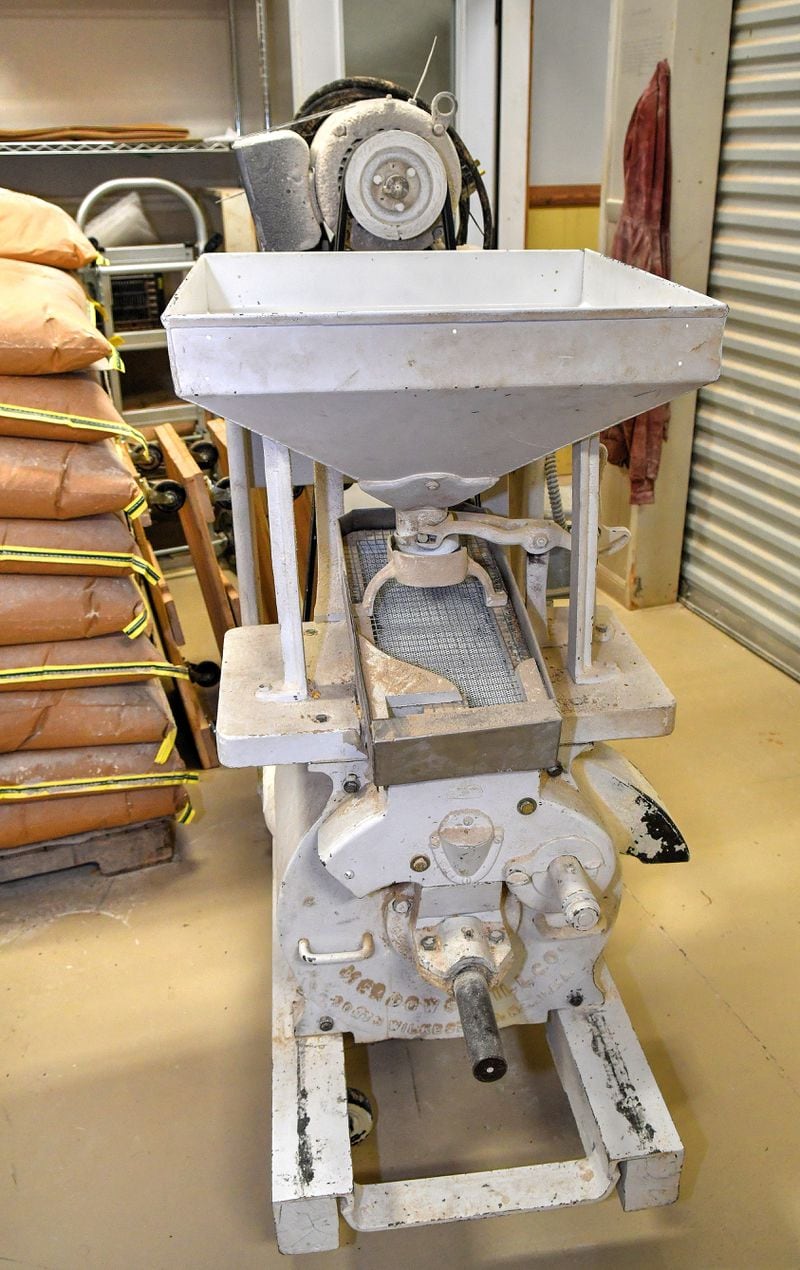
449, 815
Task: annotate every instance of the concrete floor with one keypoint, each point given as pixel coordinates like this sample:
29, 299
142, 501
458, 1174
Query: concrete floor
135, 1030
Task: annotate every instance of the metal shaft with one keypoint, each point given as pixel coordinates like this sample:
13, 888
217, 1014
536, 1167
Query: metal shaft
479, 1025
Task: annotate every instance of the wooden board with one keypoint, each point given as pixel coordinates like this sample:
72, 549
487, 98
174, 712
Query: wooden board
196, 516
216, 428
112, 850
171, 635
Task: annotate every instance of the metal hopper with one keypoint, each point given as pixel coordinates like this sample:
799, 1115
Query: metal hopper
480, 361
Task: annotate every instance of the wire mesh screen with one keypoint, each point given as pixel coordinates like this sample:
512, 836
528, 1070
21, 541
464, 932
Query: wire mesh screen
448, 630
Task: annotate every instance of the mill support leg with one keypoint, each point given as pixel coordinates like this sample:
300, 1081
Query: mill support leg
311, 1163
615, 1099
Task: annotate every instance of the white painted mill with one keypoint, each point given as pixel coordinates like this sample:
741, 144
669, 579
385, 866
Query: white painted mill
447, 811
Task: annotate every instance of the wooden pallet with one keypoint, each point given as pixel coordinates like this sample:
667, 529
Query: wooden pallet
112, 850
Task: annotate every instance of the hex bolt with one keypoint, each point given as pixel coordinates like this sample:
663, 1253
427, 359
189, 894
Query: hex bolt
351, 785
420, 863
340, 130
401, 906
540, 540
431, 485
496, 936
429, 943
377, 178
399, 207
555, 770
526, 806
411, 172
326, 1023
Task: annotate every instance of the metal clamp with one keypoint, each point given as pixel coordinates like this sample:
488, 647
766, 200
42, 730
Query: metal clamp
335, 958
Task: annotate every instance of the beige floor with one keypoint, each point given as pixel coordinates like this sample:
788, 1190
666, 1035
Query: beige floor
135, 1035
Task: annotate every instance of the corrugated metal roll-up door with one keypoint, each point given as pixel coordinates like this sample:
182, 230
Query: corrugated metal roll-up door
741, 564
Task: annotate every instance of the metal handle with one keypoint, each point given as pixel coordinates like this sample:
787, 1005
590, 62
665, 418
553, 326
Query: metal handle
479, 1025
152, 183
334, 958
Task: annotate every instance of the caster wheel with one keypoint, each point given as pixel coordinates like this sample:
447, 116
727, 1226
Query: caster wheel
221, 493
359, 1116
151, 462
206, 674
205, 455
167, 496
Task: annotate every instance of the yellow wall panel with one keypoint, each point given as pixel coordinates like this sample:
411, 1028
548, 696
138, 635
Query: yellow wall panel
561, 228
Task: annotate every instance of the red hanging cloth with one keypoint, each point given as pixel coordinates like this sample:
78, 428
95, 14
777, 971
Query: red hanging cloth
642, 239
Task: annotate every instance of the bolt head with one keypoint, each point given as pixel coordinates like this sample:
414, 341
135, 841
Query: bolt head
555, 770
377, 178
540, 540
496, 936
431, 485
420, 863
467, 932
326, 1024
401, 906
352, 784
411, 172
526, 806
517, 877
429, 943
340, 130
349, 874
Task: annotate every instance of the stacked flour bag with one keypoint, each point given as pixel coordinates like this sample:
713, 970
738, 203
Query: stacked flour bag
87, 738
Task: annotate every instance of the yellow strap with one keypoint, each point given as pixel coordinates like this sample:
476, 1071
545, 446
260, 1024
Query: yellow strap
187, 814
95, 785
122, 559
167, 746
136, 506
101, 260
38, 415
41, 674
137, 624
99, 308
114, 359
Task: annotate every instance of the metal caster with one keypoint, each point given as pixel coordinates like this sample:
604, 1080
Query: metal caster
205, 455
149, 461
359, 1116
167, 497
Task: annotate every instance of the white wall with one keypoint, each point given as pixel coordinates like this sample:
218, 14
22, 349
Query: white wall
570, 55
81, 62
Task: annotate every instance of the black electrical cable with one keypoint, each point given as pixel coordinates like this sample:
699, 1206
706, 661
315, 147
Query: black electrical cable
344, 92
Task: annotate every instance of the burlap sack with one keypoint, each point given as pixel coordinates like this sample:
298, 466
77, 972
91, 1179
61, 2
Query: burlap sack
46, 322
54, 793
60, 407
44, 608
117, 714
57, 480
79, 663
91, 545
24, 824
31, 229
69, 772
